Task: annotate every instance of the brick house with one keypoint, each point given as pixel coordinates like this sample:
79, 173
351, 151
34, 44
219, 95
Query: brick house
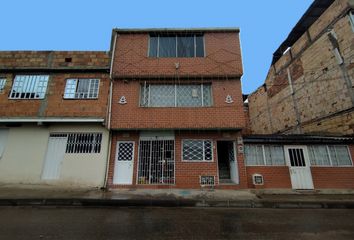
53, 108
306, 102
177, 109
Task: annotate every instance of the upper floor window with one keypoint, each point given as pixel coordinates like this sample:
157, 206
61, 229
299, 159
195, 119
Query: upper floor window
2, 84
175, 95
173, 45
29, 87
81, 88
351, 17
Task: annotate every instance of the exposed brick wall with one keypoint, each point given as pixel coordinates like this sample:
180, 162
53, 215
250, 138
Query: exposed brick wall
53, 59
220, 115
274, 177
186, 173
222, 50
334, 177
54, 105
320, 89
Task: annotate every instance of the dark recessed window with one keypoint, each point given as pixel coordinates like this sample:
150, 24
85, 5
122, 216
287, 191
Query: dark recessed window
173, 45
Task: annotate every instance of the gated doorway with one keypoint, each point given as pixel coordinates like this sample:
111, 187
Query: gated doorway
227, 162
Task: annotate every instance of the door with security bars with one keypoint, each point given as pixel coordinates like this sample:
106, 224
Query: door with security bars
124, 163
54, 156
156, 162
299, 167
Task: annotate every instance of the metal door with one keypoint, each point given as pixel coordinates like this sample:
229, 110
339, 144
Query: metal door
299, 167
54, 156
124, 164
233, 164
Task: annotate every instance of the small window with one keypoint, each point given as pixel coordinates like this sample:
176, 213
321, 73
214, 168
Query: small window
2, 84
264, 155
169, 95
173, 45
331, 155
197, 150
81, 88
84, 143
29, 87
351, 18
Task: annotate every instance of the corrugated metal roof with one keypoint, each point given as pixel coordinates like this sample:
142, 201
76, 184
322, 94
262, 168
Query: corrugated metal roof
297, 138
311, 15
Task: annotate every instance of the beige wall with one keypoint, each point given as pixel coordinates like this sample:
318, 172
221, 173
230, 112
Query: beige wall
322, 102
25, 150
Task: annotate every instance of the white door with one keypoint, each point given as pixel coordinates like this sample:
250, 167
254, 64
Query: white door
233, 164
299, 167
54, 156
124, 163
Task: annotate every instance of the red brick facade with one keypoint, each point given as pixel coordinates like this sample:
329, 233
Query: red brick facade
60, 66
222, 58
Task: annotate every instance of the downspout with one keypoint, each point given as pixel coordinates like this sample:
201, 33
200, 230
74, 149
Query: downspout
110, 113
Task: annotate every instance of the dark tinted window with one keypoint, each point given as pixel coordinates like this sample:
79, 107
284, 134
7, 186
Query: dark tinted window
153, 46
185, 46
199, 40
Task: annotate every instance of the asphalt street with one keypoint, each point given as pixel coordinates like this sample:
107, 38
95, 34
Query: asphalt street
174, 223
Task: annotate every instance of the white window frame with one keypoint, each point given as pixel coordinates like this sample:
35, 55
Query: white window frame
196, 161
331, 160
76, 96
2, 83
146, 89
264, 157
351, 18
176, 36
29, 82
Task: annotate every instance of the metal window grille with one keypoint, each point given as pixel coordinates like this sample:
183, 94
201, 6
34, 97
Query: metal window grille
207, 181
84, 143
125, 151
29, 87
2, 83
197, 150
170, 95
264, 155
81, 88
156, 162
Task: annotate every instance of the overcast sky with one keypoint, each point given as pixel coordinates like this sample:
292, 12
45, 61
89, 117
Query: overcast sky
87, 24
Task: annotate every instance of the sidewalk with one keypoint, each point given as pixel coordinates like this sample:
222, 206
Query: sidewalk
49, 196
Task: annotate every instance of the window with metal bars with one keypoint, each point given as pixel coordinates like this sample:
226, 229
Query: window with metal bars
197, 150
264, 155
84, 143
2, 84
329, 155
175, 95
176, 45
156, 162
29, 87
81, 88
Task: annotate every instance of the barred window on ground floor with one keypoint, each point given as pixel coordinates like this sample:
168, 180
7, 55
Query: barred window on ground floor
29, 87
81, 88
175, 95
329, 155
264, 155
84, 143
197, 150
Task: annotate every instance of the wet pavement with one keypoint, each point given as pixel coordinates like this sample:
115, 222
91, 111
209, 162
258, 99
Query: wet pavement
174, 223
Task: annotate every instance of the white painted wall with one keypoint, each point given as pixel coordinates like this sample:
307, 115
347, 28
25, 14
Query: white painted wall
23, 158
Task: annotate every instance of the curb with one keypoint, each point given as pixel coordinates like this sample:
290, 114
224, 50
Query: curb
178, 203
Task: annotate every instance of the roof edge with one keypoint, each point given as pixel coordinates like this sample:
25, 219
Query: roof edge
176, 30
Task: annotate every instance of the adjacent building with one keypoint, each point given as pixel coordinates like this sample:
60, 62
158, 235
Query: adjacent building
53, 111
177, 109
302, 118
